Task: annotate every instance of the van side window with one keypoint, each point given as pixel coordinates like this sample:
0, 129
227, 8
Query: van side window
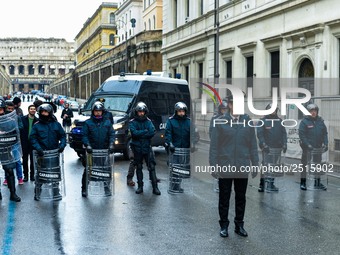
158, 103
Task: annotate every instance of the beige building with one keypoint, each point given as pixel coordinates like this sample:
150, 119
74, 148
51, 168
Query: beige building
98, 34
153, 14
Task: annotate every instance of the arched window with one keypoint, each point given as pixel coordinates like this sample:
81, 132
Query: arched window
31, 69
306, 78
11, 69
112, 18
112, 39
154, 22
21, 69
149, 24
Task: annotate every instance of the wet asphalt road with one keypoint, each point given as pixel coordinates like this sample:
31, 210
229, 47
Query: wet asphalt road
288, 222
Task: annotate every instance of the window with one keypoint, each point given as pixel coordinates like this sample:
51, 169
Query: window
275, 69
112, 18
250, 71
21, 69
30, 69
149, 24
154, 22
112, 39
11, 69
158, 103
187, 8
200, 78
200, 7
187, 73
229, 74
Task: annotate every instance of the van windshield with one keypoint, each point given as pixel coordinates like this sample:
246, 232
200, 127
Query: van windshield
116, 104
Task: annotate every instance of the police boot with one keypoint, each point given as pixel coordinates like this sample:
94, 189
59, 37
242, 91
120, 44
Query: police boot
131, 172
158, 180
155, 189
139, 182
319, 185
224, 229
83, 185
261, 186
11, 186
271, 186
239, 229
303, 184
0, 195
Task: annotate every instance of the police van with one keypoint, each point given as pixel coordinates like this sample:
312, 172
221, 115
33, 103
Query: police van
121, 93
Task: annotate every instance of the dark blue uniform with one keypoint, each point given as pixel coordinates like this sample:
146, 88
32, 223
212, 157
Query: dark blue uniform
48, 135
312, 132
272, 133
177, 131
98, 133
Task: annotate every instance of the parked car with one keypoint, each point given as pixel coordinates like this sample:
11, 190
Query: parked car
73, 105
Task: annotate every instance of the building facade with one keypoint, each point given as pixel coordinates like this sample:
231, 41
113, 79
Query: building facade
98, 34
258, 44
33, 63
5, 82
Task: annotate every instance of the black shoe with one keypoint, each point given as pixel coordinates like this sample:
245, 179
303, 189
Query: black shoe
25, 179
240, 231
0, 196
36, 198
130, 182
224, 232
303, 186
260, 189
271, 187
156, 191
320, 186
107, 191
139, 190
32, 179
14, 197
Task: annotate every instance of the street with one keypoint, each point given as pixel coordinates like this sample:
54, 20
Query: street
288, 222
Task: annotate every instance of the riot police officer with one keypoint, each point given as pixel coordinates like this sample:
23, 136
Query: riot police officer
221, 110
233, 146
47, 134
98, 134
177, 135
313, 134
271, 135
142, 130
8, 167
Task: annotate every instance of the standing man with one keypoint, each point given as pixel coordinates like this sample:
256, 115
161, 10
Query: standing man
271, 135
233, 144
17, 104
47, 134
177, 135
142, 130
67, 115
313, 134
9, 140
221, 110
98, 134
28, 121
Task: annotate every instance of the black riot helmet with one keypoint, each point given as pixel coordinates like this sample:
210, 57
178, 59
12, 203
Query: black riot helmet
2, 104
45, 107
141, 107
181, 106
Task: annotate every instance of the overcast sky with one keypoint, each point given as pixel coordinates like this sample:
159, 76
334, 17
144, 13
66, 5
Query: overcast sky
45, 18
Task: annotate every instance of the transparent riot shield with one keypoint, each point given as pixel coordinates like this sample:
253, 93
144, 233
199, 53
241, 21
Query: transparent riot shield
179, 171
99, 177
273, 170
317, 178
10, 146
49, 177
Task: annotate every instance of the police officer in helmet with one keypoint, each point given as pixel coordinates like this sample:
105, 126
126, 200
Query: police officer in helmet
142, 130
98, 134
313, 134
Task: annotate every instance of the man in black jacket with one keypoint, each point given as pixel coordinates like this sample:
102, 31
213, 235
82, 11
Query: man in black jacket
28, 121
67, 115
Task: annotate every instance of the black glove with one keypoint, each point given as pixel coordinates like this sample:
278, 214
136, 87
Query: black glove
166, 145
325, 148
255, 170
310, 147
111, 149
265, 148
284, 148
40, 153
60, 150
89, 149
172, 148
